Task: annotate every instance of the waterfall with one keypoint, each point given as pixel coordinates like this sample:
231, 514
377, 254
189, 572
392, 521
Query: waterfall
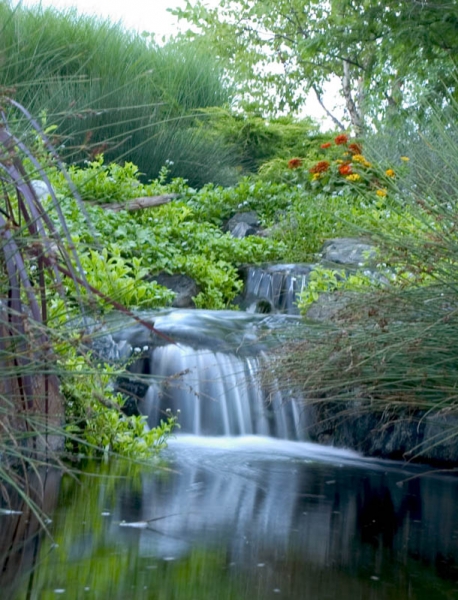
274, 288
214, 376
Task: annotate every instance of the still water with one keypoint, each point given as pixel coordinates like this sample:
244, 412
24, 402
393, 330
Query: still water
243, 518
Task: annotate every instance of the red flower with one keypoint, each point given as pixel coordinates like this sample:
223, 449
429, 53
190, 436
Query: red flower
320, 167
326, 145
355, 148
340, 140
295, 163
345, 169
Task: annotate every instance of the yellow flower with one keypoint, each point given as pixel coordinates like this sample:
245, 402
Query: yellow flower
359, 158
316, 176
390, 173
405, 158
381, 193
339, 161
353, 177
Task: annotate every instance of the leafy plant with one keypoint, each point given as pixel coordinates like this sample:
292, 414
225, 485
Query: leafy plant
325, 281
385, 57
180, 237
94, 418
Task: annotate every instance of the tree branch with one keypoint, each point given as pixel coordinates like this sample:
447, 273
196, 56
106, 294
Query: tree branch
328, 112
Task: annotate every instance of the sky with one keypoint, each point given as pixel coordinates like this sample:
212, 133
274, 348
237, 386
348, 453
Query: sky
152, 16
142, 15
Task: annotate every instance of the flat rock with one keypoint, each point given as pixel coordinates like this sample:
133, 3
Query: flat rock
348, 251
250, 218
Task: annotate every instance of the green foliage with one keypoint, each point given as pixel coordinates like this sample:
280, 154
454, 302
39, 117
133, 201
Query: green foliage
325, 281
105, 89
106, 183
383, 53
123, 280
257, 140
95, 422
179, 237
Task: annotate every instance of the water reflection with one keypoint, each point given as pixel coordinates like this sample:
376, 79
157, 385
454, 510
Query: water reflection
252, 518
21, 525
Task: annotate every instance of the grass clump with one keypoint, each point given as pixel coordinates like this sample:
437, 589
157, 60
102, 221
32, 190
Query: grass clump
393, 350
102, 88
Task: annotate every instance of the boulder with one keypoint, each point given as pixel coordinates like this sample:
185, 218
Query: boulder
348, 251
242, 230
243, 224
185, 288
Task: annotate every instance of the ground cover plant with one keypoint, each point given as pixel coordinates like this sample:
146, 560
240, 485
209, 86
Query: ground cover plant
179, 237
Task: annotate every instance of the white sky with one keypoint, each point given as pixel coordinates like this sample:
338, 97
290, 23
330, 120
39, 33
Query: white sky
152, 16
142, 15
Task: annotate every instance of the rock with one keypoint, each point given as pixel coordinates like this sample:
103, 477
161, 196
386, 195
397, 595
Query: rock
101, 342
242, 230
440, 443
354, 425
184, 287
249, 218
348, 251
398, 434
40, 188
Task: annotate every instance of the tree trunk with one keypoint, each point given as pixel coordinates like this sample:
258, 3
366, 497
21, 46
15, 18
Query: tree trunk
355, 111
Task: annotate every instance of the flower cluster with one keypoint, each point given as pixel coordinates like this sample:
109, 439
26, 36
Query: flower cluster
355, 148
341, 140
359, 158
345, 169
346, 164
320, 167
295, 163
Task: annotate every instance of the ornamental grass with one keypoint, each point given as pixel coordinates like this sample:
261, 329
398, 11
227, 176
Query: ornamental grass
101, 89
394, 351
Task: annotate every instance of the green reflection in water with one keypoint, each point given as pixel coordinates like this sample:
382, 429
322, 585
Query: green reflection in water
84, 559
92, 556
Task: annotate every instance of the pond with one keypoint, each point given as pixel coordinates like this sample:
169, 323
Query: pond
242, 518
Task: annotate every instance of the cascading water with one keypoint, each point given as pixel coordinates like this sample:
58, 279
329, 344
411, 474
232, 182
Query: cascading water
213, 375
274, 288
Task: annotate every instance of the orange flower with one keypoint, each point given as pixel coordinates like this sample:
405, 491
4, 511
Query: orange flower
345, 169
326, 145
355, 148
295, 163
341, 139
320, 167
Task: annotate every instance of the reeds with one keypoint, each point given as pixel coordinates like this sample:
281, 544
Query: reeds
36, 264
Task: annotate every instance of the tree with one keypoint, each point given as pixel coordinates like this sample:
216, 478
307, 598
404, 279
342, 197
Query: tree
385, 54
